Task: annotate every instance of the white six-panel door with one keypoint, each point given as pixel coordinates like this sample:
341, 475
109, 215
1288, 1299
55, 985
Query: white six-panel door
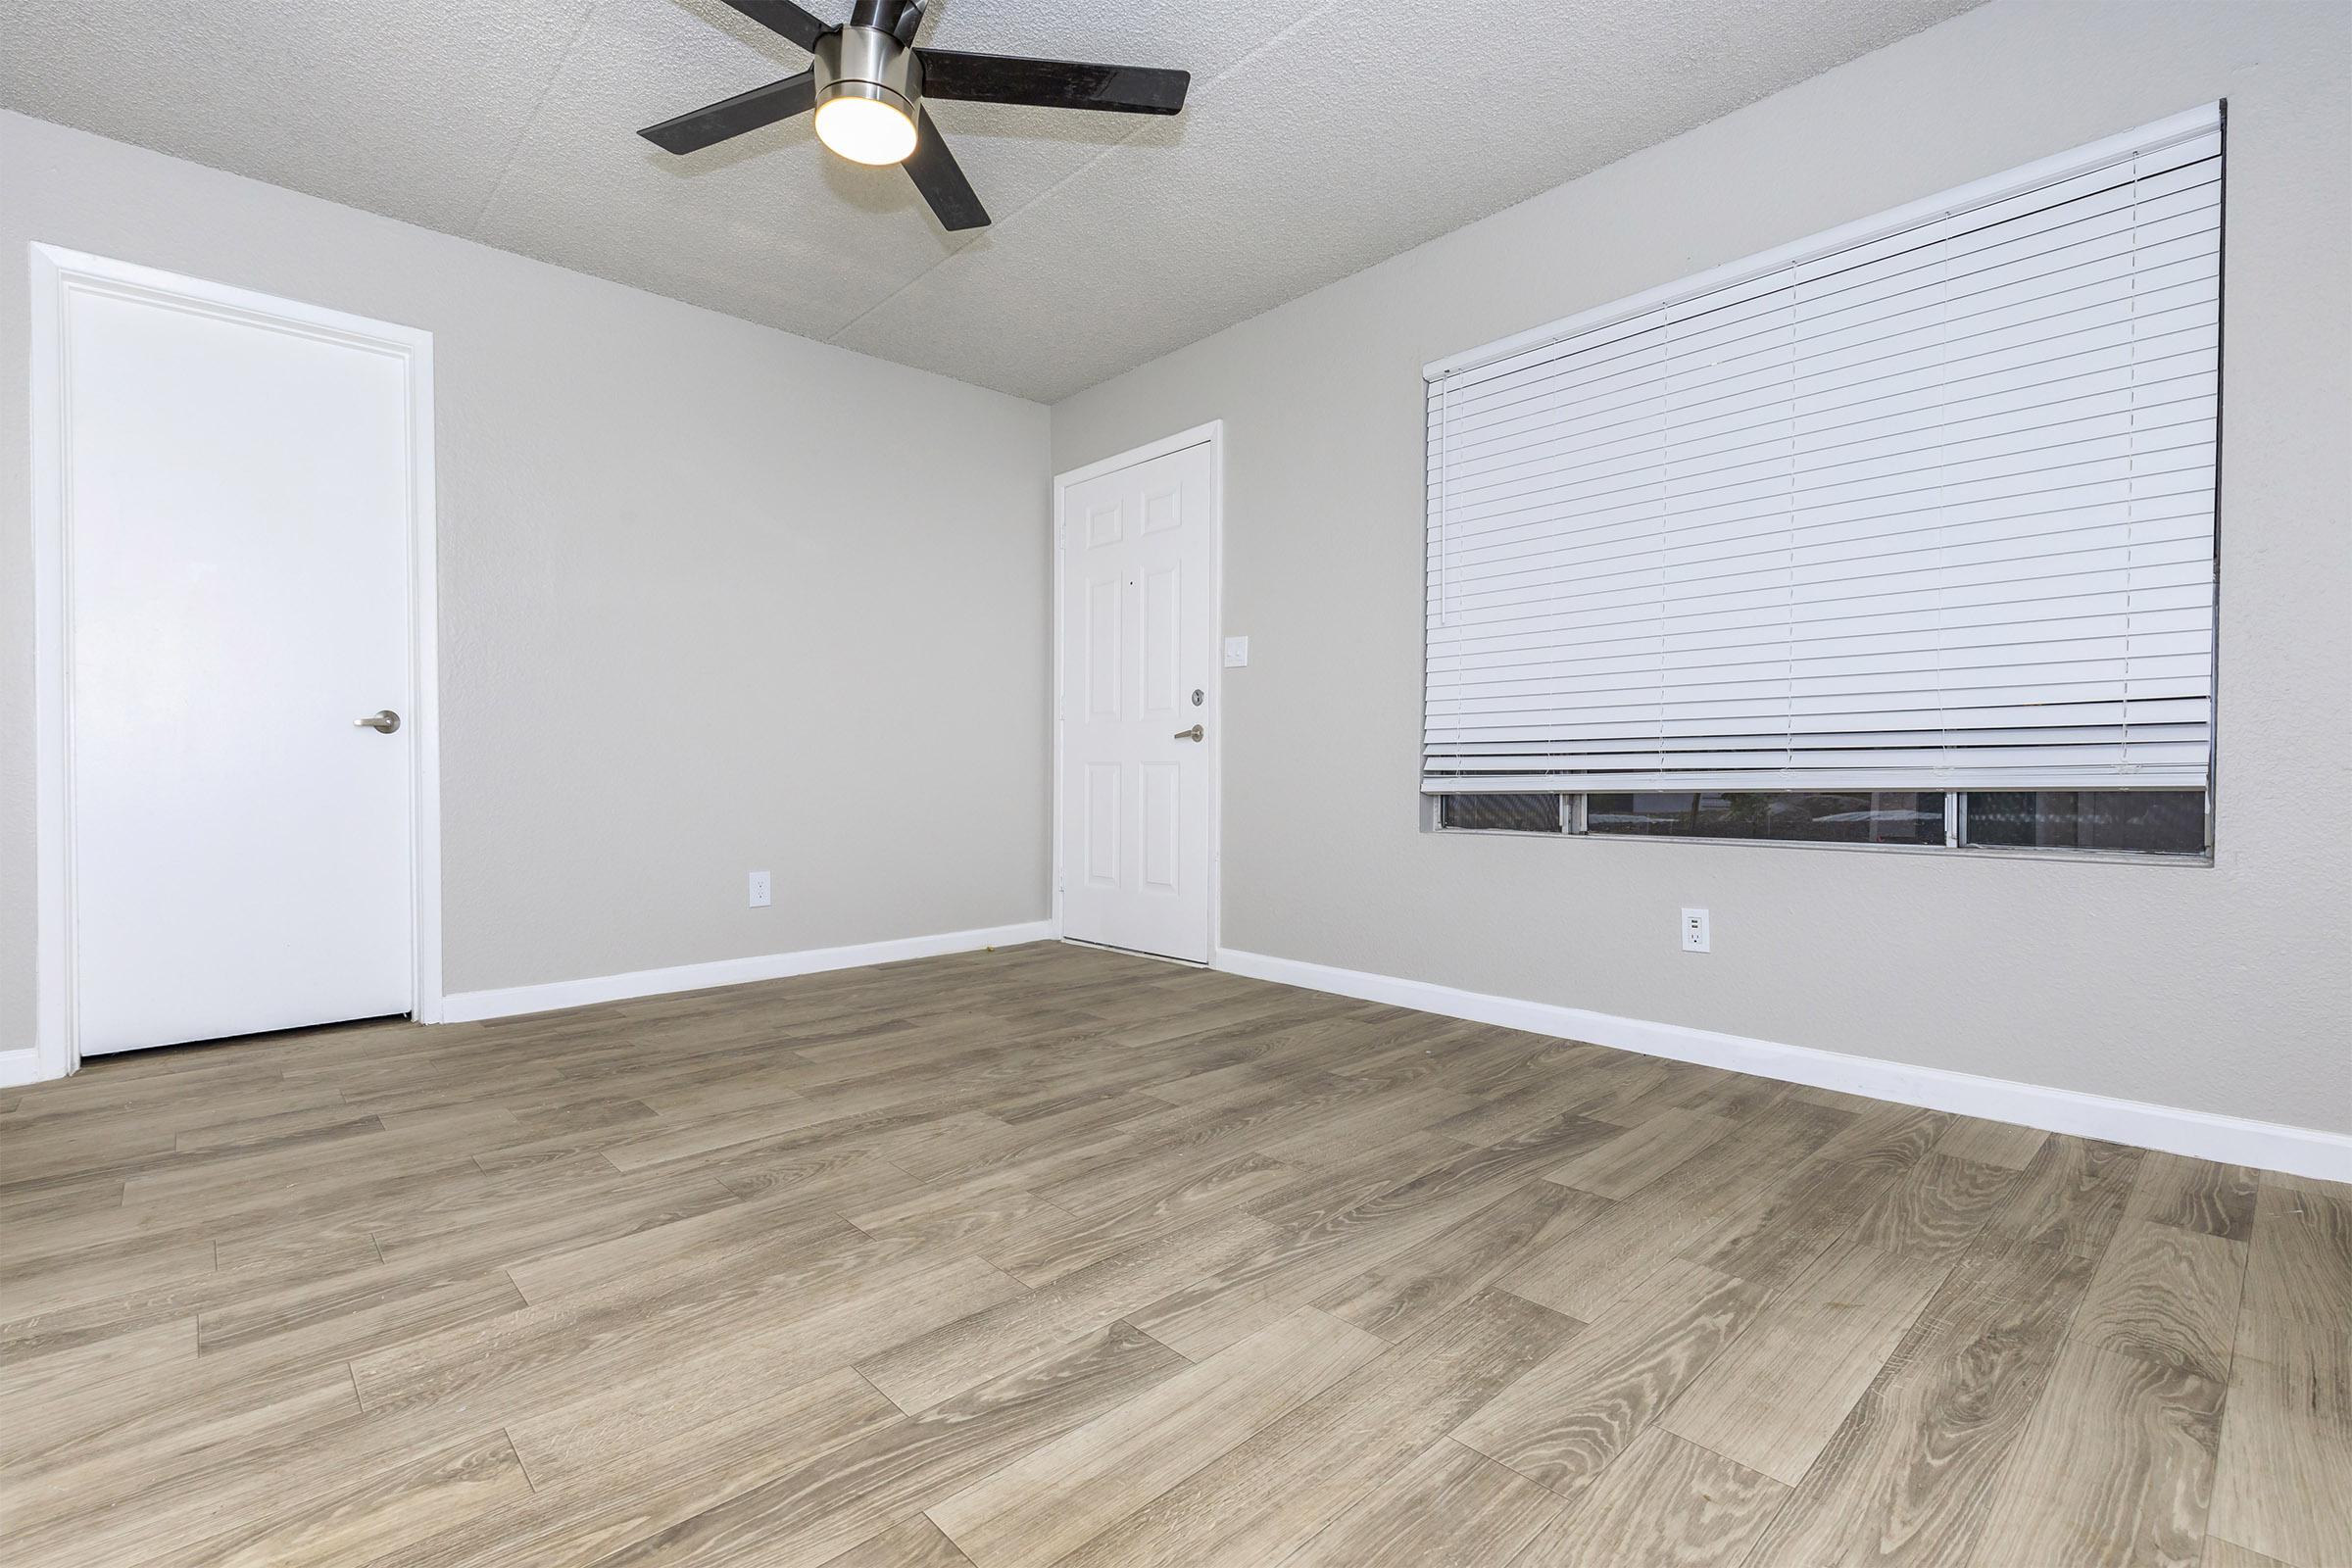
237, 523
1135, 836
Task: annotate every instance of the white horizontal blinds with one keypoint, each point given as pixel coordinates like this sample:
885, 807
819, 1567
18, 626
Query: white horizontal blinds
1933, 510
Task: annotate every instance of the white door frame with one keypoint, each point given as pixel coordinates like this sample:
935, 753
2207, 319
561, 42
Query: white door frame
57, 276
1212, 435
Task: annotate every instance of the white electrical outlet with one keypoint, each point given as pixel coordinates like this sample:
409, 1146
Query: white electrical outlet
758, 890
1695, 931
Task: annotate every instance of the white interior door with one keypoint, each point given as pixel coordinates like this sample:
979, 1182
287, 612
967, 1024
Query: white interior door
1139, 723
237, 531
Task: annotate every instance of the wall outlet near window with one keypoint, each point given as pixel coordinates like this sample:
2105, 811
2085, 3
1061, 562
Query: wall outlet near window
1695, 931
758, 890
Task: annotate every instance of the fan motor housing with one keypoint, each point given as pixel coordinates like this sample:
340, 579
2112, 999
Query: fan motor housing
868, 63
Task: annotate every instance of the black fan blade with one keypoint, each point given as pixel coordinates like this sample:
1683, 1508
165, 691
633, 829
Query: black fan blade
732, 117
940, 177
784, 19
1053, 84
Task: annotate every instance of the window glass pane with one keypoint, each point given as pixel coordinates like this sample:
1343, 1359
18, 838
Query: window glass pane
1516, 813
1905, 817
2154, 821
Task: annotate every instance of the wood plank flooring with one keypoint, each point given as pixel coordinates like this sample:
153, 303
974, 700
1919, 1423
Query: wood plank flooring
1056, 1256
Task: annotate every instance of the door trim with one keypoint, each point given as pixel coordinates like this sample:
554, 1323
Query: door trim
1211, 435
58, 274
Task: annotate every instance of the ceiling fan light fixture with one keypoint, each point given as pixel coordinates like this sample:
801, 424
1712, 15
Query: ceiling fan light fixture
867, 84
867, 80
865, 131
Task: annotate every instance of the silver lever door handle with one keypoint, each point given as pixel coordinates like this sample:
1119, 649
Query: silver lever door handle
383, 723
1195, 733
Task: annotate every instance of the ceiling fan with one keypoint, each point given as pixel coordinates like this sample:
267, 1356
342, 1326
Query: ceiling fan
869, 82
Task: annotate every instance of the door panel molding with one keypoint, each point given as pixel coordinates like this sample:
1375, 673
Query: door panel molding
58, 276
1090, 526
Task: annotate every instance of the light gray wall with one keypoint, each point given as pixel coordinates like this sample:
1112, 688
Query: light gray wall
684, 631
2219, 987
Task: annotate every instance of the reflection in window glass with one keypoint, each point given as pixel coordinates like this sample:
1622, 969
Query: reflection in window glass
1509, 814
2151, 821
1907, 818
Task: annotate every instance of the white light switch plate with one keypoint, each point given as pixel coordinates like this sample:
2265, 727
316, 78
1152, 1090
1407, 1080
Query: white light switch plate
1237, 652
758, 890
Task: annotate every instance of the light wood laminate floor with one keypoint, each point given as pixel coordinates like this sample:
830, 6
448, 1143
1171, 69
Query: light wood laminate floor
1049, 1255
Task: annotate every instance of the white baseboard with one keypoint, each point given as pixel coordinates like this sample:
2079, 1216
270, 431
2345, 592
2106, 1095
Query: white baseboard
21, 1066
469, 1007
2231, 1140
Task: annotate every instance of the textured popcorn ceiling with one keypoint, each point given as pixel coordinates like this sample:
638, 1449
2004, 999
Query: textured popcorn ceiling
1319, 139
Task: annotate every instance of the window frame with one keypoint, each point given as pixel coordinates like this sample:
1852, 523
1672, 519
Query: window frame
1574, 804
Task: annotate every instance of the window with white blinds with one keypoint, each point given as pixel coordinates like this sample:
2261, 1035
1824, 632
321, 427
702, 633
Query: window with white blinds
1924, 504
